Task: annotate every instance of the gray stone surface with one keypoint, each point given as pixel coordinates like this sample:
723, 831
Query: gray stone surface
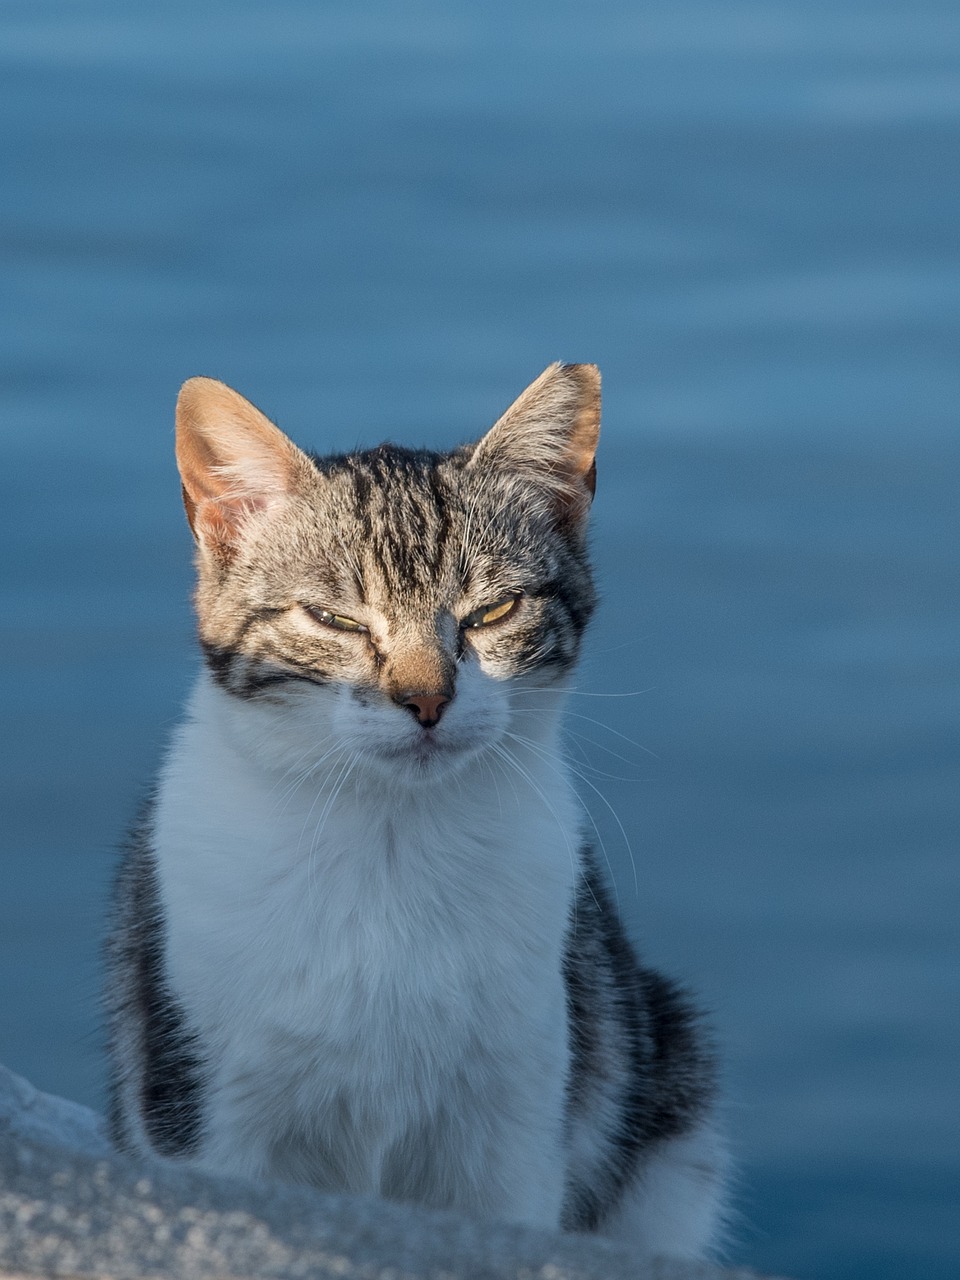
55, 1122
70, 1207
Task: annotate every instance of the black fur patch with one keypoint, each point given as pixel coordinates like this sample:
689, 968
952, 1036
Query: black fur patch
254, 677
635, 1042
166, 1068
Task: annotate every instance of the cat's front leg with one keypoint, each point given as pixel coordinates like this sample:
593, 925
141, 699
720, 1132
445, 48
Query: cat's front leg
527, 1185
498, 1154
517, 1099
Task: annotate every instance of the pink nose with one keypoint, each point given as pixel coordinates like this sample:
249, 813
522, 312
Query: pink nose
427, 707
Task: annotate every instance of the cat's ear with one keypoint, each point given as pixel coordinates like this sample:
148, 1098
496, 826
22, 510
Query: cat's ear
550, 435
233, 463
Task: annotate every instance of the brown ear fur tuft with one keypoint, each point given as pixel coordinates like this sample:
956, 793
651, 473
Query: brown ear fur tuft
233, 462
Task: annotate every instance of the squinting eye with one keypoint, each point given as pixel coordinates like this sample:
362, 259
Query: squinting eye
335, 620
490, 613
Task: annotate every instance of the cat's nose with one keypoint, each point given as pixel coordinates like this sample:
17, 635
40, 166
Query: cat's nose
427, 707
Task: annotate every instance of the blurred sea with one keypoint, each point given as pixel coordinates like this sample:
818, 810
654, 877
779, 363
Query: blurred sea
382, 220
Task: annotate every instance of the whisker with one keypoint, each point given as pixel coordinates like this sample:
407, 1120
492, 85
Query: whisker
576, 715
509, 756
313, 804
586, 693
616, 648
576, 736
549, 758
291, 789
559, 765
313, 857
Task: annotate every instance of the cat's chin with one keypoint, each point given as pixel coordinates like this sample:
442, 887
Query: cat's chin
424, 759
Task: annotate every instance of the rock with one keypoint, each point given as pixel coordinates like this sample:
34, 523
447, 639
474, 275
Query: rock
70, 1206
39, 1117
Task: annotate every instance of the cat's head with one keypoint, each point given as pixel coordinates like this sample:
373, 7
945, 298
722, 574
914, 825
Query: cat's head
400, 608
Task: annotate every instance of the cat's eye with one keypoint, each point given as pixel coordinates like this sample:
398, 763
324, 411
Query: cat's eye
338, 621
490, 613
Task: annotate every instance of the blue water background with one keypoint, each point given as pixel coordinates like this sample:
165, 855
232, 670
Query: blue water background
382, 220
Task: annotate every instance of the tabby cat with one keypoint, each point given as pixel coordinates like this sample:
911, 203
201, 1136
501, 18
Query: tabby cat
359, 940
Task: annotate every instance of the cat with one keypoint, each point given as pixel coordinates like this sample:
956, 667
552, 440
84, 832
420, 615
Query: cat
358, 939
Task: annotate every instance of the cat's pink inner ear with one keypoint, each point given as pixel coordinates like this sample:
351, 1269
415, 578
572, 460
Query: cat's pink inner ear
233, 462
550, 434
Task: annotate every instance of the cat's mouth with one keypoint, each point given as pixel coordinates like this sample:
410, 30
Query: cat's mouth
426, 751
425, 746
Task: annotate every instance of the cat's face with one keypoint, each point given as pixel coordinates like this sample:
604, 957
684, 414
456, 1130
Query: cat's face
404, 611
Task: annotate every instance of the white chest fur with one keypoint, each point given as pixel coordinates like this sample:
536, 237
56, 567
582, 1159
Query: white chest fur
374, 974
